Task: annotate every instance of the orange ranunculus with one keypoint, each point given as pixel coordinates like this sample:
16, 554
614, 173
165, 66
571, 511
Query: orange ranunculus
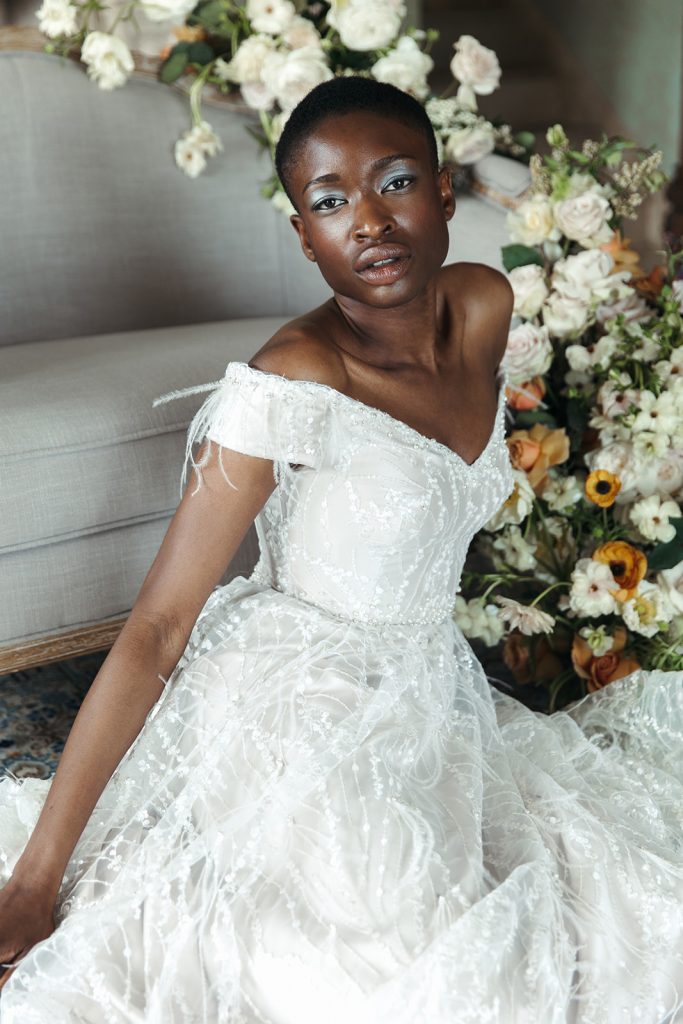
527, 395
650, 285
627, 563
604, 669
602, 487
625, 258
189, 34
536, 450
530, 659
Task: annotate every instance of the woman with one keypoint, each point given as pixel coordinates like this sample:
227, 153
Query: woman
325, 812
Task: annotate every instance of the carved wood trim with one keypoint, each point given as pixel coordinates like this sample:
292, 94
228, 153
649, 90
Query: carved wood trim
59, 646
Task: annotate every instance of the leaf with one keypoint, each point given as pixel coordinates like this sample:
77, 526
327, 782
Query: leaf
520, 256
212, 13
528, 417
666, 556
174, 67
526, 139
200, 53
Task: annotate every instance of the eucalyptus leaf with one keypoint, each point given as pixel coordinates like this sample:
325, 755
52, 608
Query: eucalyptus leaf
200, 53
528, 417
666, 556
520, 256
174, 67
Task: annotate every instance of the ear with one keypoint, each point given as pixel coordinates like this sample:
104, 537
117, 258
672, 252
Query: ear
297, 223
446, 190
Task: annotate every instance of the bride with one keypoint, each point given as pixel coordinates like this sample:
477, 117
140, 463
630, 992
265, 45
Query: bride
295, 798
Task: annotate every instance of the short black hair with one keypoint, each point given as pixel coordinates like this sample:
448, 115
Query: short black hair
346, 95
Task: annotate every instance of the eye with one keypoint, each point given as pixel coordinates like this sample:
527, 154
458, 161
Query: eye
399, 183
328, 203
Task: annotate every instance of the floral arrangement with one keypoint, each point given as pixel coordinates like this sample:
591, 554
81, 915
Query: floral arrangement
589, 546
274, 52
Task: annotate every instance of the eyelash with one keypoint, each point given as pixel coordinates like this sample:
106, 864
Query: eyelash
406, 178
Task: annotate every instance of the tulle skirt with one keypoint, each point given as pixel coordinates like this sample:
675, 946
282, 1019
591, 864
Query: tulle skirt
328, 820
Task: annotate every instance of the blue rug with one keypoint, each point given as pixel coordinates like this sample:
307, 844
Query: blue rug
37, 709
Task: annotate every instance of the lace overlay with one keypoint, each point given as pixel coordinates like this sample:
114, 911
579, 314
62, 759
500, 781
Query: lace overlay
329, 814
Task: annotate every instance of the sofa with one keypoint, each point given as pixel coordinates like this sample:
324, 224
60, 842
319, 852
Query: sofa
122, 279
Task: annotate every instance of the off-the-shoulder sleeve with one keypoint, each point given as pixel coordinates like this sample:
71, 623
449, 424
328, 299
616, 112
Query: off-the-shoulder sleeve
258, 413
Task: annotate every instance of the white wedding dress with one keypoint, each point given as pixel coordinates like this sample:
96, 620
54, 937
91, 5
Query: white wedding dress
329, 816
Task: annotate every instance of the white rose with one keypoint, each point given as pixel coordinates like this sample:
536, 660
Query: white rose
651, 518
587, 276
531, 291
528, 353
517, 506
663, 475
300, 32
406, 67
564, 316
270, 16
671, 584
108, 60
366, 26
467, 145
475, 66
646, 610
584, 219
593, 588
57, 18
167, 10
532, 222
580, 184
248, 61
292, 75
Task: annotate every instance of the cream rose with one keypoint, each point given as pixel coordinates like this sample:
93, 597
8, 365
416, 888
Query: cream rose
467, 145
475, 66
584, 218
565, 316
406, 67
531, 291
532, 222
528, 354
57, 18
292, 75
671, 584
366, 26
586, 276
108, 60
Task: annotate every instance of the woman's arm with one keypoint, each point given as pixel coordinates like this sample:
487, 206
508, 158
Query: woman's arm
202, 538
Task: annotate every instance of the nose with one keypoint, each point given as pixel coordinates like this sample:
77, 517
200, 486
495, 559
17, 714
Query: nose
372, 220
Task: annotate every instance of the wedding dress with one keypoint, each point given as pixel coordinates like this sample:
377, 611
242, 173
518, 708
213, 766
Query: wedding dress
329, 815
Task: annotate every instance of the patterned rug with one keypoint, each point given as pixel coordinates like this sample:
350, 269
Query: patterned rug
37, 708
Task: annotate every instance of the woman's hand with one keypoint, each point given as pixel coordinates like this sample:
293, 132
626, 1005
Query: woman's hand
26, 917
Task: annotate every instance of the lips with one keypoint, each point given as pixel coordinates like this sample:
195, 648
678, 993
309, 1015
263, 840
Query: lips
378, 254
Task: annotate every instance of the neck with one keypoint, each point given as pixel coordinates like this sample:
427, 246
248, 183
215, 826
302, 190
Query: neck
411, 334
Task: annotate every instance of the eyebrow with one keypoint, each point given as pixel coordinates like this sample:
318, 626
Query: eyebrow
378, 165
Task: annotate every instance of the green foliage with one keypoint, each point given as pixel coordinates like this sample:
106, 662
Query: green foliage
666, 556
520, 256
175, 64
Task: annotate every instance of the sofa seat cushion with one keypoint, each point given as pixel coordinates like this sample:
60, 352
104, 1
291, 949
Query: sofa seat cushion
83, 450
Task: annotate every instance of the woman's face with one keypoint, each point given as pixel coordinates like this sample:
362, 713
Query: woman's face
372, 210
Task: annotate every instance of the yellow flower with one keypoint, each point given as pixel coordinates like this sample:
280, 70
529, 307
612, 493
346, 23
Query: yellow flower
627, 563
602, 487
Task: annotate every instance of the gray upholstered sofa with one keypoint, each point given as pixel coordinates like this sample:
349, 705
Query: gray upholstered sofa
122, 279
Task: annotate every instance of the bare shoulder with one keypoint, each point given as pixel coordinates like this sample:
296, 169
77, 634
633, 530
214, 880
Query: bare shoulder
299, 351
487, 298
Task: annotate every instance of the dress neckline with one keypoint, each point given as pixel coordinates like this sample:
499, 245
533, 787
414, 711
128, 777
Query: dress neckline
382, 414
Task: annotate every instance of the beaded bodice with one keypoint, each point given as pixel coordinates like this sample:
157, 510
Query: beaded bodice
371, 520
